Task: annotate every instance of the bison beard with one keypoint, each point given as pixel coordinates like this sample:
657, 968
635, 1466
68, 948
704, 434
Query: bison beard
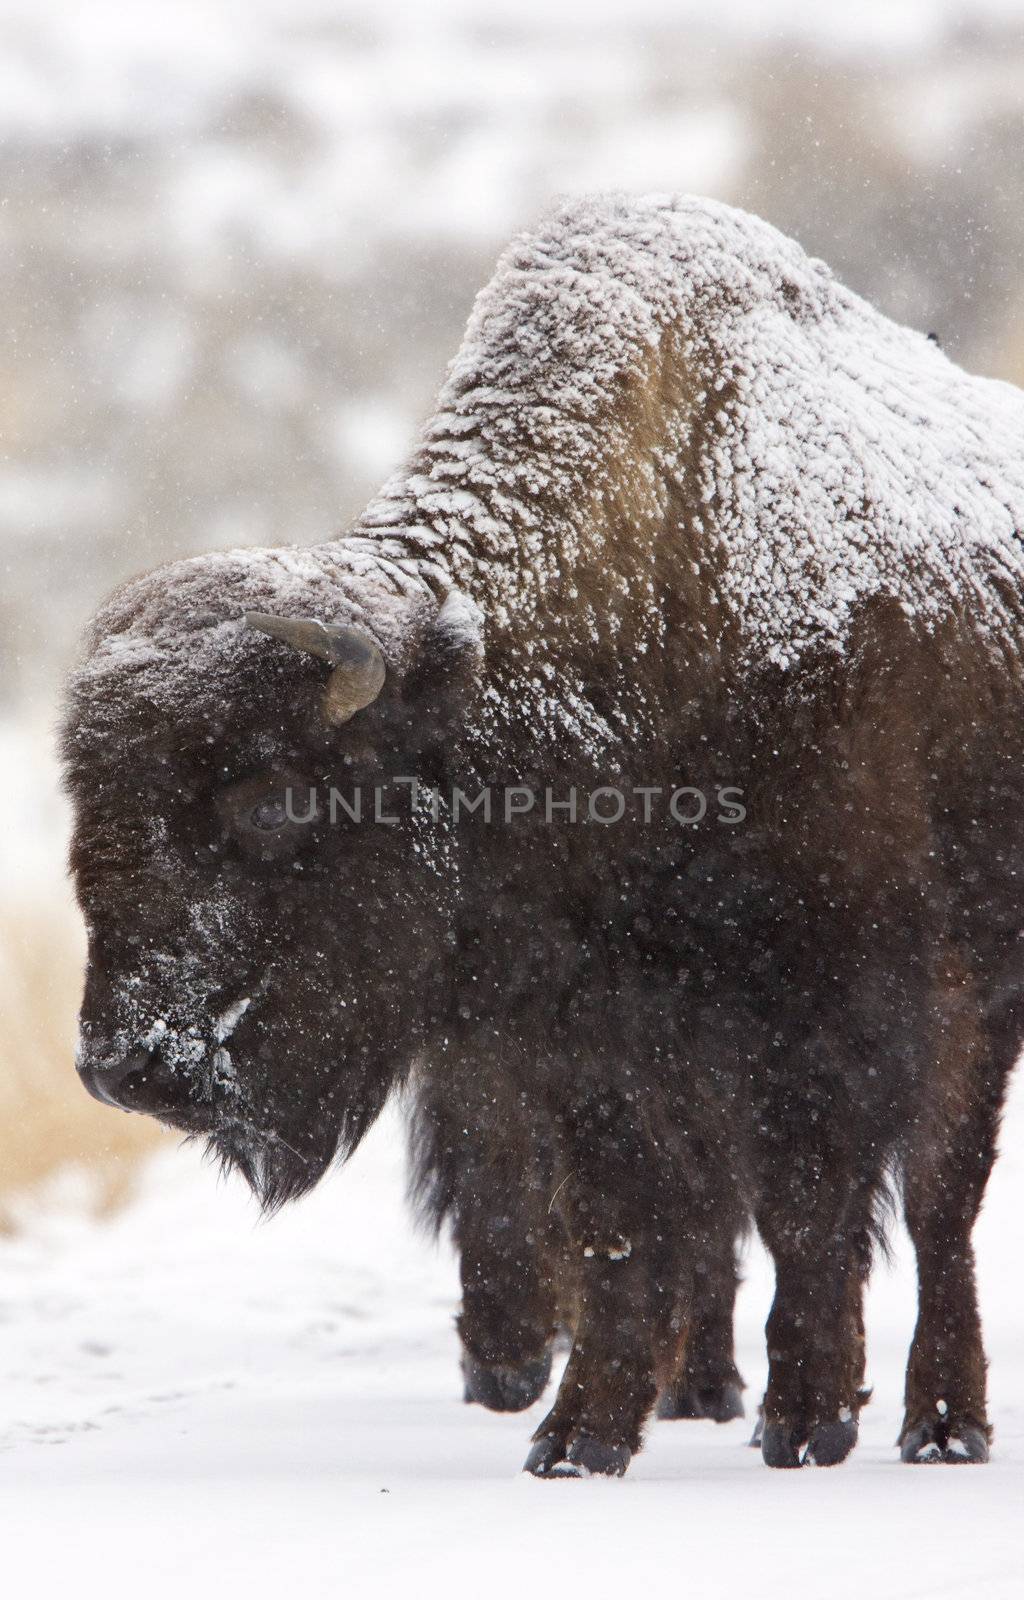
688, 512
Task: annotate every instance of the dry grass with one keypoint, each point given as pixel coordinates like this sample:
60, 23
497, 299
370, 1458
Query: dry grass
47, 1121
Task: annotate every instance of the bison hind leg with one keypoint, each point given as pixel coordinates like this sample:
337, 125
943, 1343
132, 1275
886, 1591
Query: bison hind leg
708, 1384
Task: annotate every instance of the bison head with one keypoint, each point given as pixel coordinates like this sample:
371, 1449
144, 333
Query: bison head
262, 967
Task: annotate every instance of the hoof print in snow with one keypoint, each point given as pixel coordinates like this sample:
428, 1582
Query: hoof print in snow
505, 1388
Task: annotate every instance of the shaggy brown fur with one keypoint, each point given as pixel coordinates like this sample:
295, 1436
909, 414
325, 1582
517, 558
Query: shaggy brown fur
688, 513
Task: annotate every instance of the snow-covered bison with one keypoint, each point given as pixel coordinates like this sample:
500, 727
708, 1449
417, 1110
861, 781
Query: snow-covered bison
700, 605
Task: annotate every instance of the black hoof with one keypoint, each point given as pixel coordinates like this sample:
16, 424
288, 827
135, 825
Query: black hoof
780, 1446
681, 1403
724, 1404
831, 1442
586, 1457
967, 1444
941, 1441
546, 1455
920, 1445
590, 1458
758, 1434
505, 1388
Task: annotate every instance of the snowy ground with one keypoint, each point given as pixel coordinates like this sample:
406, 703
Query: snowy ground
191, 1398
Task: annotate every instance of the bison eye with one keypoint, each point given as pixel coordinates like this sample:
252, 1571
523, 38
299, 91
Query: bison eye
269, 814
266, 815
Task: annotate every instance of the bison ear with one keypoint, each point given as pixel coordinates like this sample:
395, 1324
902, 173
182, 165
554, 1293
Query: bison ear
447, 672
458, 632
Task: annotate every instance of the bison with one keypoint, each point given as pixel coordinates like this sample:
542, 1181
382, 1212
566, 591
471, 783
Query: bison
639, 781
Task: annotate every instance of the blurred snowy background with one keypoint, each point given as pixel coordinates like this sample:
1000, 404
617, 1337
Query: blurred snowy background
238, 243
239, 240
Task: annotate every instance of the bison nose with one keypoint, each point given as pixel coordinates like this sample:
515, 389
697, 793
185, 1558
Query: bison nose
137, 1082
112, 1080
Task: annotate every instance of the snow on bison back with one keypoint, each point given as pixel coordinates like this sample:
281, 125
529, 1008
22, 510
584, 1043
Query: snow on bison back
697, 615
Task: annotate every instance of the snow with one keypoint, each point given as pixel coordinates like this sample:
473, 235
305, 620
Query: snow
193, 1399
228, 1021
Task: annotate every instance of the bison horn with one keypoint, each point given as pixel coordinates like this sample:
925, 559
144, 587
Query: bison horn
359, 669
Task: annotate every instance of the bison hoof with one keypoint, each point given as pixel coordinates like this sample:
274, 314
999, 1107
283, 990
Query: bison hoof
831, 1442
505, 1388
967, 1444
591, 1458
758, 1434
682, 1403
586, 1457
825, 1445
944, 1441
546, 1453
780, 1445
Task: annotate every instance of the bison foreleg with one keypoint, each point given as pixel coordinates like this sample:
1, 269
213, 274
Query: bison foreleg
625, 1346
